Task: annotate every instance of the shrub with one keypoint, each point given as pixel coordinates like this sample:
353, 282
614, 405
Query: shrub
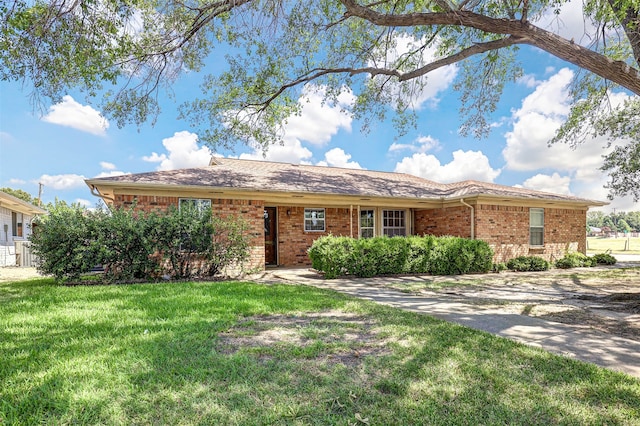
181, 243
575, 260
528, 264
66, 241
124, 237
499, 267
604, 259
369, 257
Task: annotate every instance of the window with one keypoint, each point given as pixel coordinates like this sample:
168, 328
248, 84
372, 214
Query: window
367, 223
393, 223
16, 224
314, 220
198, 204
536, 227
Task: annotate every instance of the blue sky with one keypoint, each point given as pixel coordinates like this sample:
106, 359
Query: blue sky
71, 141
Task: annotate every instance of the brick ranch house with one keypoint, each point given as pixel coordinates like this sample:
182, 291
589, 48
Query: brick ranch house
288, 206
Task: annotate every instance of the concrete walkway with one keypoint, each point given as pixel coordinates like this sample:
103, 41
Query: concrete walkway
608, 351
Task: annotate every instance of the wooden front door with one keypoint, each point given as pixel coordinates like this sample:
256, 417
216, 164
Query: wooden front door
270, 235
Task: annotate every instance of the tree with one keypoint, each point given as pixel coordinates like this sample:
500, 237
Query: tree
381, 52
608, 222
623, 226
595, 218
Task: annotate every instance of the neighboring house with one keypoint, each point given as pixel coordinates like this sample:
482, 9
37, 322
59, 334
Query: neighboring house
288, 206
594, 231
16, 216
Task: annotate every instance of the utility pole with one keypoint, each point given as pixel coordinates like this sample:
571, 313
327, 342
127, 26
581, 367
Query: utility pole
40, 185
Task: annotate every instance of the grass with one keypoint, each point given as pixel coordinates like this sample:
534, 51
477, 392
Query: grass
235, 353
614, 245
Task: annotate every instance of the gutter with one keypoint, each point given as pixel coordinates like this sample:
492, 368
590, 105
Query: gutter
473, 218
96, 193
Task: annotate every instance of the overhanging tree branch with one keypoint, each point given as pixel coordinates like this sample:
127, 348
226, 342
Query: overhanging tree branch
618, 72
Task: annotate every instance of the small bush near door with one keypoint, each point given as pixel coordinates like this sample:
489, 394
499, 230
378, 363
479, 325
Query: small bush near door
368, 257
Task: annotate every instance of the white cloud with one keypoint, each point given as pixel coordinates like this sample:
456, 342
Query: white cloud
72, 114
317, 123
466, 165
182, 152
6, 137
15, 181
568, 21
291, 152
61, 182
535, 124
336, 157
318, 120
555, 183
154, 157
83, 202
436, 81
107, 166
529, 80
421, 144
111, 173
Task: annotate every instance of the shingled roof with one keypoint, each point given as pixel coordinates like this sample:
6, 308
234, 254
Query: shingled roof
273, 177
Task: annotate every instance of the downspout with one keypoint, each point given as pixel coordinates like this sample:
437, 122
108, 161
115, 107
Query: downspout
96, 193
351, 220
473, 219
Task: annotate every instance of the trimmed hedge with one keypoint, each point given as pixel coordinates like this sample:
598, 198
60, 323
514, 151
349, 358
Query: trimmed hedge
604, 259
368, 257
528, 263
577, 260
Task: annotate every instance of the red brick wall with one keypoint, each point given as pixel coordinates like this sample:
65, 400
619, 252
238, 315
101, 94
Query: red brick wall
506, 229
445, 221
146, 203
250, 210
293, 241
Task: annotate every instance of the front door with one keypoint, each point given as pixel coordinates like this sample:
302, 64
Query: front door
270, 246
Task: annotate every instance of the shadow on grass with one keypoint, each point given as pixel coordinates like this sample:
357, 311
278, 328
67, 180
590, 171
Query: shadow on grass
150, 354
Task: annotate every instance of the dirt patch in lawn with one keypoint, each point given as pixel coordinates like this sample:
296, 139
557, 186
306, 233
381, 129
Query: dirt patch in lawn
607, 300
335, 336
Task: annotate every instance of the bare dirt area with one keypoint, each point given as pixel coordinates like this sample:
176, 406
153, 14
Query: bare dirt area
346, 338
14, 273
603, 299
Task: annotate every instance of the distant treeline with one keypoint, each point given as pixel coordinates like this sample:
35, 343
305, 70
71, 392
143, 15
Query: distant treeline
619, 222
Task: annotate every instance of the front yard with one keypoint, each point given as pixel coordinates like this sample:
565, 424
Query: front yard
602, 299
242, 353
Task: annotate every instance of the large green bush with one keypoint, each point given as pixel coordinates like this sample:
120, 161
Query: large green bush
179, 243
67, 241
367, 257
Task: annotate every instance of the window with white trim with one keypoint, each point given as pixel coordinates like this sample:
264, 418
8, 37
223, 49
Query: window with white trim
394, 223
199, 204
314, 220
367, 223
536, 227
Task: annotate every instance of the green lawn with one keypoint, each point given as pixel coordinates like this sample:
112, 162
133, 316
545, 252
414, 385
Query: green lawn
230, 353
615, 245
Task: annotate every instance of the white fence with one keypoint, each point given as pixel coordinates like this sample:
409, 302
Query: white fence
24, 257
